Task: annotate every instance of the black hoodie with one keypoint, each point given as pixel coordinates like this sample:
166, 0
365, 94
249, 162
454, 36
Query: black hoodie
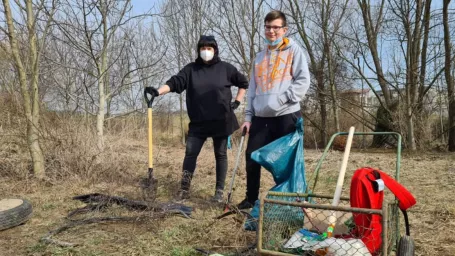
208, 93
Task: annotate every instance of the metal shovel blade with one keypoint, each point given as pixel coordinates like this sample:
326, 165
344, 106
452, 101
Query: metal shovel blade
149, 187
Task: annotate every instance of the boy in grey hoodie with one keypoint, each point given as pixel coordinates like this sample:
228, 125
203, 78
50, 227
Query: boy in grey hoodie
279, 81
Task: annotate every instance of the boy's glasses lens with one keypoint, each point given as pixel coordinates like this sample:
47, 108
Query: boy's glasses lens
274, 28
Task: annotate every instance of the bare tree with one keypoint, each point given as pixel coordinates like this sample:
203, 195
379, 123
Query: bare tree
28, 69
408, 22
137, 65
373, 18
372, 27
92, 33
317, 64
93, 28
332, 16
65, 86
318, 25
415, 55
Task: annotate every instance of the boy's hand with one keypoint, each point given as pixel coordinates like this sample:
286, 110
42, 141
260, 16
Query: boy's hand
247, 125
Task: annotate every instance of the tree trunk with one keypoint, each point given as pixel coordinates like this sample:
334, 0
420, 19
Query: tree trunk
410, 126
179, 64
100, 117
325, 16
316, 66
323, 119
333, 90
371, 31
30, 102
419, 109
449, 79
415, 73
322, 104
384, 123
107, 91
441, 115
34, 126
101, 81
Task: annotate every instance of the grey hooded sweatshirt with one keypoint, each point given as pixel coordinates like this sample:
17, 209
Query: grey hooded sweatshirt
279, 81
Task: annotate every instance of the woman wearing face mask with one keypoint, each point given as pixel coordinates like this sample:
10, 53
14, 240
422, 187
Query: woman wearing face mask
207, 82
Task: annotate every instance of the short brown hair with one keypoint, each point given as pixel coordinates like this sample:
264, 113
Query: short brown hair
275, 14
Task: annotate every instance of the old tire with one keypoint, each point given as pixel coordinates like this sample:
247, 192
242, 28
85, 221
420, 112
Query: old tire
14, 212
405, 246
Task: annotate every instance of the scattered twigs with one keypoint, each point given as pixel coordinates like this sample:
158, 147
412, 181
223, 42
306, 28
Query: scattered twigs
48, 238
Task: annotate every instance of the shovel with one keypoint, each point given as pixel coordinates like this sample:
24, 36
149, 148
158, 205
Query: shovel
340, 181
337, 195
149, 184
231, 186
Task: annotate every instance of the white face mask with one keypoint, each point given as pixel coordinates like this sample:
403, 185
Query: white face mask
207, 55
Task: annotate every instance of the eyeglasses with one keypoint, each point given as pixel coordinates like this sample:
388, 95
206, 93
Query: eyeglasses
275, 28
208, 38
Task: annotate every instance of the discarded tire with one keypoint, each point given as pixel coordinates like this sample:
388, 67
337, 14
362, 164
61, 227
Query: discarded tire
406, 246
14, 212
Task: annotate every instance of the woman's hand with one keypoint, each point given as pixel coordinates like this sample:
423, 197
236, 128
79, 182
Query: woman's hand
235, 104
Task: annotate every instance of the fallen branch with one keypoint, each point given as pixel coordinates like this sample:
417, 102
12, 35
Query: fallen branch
240, 250
89, 208
109, 200
234, 210
99, 202
105, 200
47, 239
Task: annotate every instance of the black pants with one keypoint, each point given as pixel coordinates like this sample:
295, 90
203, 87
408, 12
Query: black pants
264, 130
193, 148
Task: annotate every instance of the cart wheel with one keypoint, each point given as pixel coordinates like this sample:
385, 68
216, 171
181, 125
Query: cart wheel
14, 212
406, 246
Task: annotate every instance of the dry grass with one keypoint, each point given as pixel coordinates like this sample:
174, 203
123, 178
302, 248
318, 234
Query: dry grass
73, 170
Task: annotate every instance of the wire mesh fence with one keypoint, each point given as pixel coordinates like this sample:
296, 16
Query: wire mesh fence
292, 224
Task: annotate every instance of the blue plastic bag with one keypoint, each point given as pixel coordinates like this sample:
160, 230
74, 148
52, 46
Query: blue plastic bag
284, 159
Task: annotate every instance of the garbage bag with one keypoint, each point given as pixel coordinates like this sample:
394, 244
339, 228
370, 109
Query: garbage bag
284, 159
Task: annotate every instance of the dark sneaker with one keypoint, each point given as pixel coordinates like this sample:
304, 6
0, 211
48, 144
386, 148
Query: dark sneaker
185, 184
218, 197
245, 204
183, 195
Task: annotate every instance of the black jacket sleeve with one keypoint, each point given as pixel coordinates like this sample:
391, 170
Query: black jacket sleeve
237, 78
178, 83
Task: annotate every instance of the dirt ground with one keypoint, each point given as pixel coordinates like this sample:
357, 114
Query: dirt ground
429, 176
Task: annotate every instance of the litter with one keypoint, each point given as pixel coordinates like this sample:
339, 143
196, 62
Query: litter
301, 237
336, 246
